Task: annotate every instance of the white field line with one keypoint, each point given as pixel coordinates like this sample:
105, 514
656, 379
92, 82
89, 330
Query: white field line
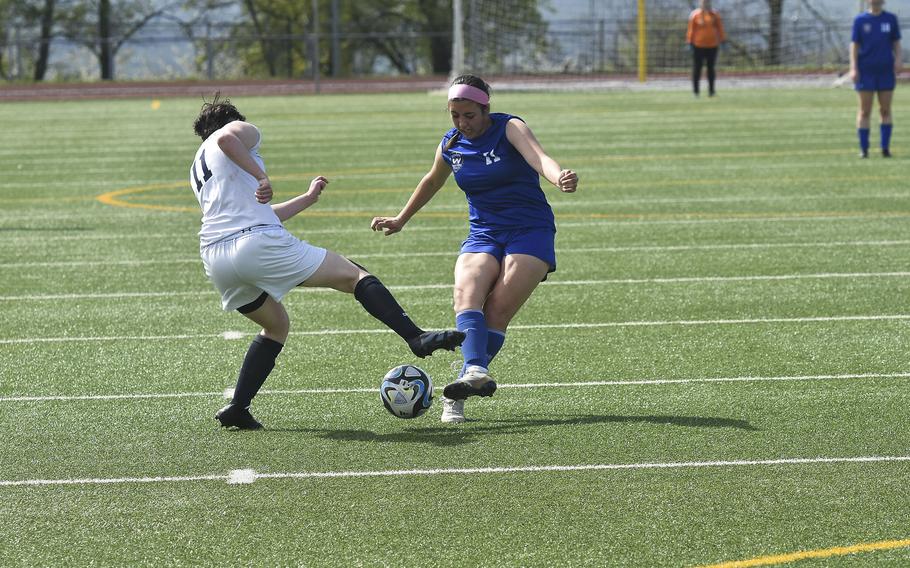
247, 476
567, 204
583, 203
370, 390
451, 253
549, 283
223, 335
722, 220
728, 199
449, 228
191, 237
233, 335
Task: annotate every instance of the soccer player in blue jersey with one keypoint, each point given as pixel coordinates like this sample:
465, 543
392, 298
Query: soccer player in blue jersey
875, 61
497, 162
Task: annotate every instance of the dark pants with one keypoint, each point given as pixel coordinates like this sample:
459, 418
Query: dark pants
701, 56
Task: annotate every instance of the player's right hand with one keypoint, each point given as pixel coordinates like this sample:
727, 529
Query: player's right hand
389, 225
854, 75
264, 191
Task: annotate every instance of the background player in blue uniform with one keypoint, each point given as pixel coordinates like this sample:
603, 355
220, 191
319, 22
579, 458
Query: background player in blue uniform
875, 61
497, 162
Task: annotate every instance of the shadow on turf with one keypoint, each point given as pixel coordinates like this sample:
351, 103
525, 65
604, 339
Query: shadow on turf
455, 435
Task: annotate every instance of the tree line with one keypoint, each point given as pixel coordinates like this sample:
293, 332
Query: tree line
264, 36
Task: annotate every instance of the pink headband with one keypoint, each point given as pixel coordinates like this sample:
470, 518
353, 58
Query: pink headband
470, 93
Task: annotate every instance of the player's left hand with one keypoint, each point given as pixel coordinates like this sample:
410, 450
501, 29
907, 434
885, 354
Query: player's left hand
568, 181
264, 191
316, 186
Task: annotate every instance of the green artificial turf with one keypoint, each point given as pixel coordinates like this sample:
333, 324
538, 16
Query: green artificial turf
731, 238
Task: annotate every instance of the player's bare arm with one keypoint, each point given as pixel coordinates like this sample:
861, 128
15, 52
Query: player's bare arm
291, 207
236, 140
521, 137
898, 57
431, 183
854, 72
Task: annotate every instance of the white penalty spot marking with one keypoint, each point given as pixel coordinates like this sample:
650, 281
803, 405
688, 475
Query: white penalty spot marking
241, 477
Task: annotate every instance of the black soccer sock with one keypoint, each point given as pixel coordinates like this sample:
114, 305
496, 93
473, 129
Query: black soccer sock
379, 302
258, 363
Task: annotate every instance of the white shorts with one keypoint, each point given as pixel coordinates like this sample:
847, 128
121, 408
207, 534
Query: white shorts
261, 259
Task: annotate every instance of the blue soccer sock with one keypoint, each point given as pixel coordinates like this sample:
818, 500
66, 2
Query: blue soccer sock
885, 130
863, 139
474, 349
495, 339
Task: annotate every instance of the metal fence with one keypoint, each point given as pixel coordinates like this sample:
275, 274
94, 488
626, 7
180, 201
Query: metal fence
564, 46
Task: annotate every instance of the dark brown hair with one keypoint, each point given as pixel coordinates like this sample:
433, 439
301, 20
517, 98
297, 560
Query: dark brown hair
473, 81
214, 115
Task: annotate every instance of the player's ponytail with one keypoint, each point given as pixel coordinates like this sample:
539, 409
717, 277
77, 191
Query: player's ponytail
452, 141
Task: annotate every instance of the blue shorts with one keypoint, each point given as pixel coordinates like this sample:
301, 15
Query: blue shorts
876, 81
540, 243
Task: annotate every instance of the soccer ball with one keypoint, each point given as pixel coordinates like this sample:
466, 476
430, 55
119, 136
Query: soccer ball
406, 391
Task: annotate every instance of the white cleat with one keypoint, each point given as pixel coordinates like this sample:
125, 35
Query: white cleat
452, 411
476, 381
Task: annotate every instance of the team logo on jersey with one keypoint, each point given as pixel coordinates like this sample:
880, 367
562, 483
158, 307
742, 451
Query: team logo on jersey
886, 27
457, 161
867, 28
490, 157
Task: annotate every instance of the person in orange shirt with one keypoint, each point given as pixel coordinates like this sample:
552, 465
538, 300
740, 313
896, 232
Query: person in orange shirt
704, 36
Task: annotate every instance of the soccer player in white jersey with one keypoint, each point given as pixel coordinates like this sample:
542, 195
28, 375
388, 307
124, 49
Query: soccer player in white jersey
253, 261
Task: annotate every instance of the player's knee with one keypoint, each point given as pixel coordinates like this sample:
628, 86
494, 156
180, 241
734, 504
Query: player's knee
279, 328
463, 298
497, 317
350, 282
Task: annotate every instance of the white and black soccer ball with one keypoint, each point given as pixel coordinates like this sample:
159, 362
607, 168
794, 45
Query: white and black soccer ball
406, 391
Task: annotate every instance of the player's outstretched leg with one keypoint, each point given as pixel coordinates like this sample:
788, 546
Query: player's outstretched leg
341, 274
258, 363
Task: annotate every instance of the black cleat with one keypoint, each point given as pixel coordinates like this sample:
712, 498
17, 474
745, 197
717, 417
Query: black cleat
233, 416
886, 153
864, 154
429, 341
475, 382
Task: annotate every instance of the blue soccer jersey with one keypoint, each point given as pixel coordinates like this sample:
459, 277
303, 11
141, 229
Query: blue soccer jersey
875, 36
502, 189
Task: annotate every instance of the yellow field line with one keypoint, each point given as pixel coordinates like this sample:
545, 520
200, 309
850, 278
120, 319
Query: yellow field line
113, 198
807, 554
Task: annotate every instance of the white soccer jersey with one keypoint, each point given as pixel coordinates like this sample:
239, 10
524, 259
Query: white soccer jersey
226, 193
